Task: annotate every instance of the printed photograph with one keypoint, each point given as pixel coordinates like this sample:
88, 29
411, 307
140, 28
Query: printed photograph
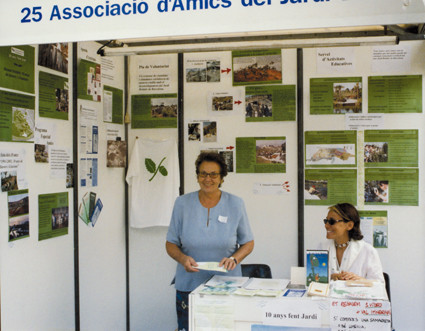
376, 191
54, 56
194, 131
328, 154
163, 107
210, 132
9, 181
18, 204
270, 151
196, 75
228, 158
376, 152
347, 98
213, 71
224, 103
258, 105
62, 100
41, 153
257, 68
94, 85
380, 236
116, 153
60, 218
19, 227
316, 190
69, 175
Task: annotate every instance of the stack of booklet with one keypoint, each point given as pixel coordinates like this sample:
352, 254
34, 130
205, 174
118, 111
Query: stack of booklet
226, 285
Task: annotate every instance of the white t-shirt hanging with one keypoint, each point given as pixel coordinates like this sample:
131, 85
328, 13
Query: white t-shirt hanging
153, 179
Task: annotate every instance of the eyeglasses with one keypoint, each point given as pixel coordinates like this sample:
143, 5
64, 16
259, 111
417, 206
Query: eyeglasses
213, 175
332, 221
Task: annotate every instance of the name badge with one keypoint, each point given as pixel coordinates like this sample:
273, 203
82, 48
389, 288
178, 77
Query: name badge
222, 219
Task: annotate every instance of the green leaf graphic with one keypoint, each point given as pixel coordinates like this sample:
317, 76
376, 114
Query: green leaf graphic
150, 165
163, 171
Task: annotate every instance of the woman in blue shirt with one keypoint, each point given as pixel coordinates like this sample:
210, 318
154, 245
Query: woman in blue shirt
206, 225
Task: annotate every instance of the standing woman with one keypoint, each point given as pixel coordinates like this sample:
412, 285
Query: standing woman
350, 258
206, 225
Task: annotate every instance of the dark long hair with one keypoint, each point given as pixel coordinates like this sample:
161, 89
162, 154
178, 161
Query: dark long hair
349, 213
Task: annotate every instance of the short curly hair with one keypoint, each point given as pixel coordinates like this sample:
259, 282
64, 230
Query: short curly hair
349, 213
212, 157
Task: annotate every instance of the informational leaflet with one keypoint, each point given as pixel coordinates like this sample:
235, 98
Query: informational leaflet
330, 148
257, 67
19, 221
374, 227
270, 103
17, 68
260, 154
392, 58
150, 111
17, 117
53, 96
395, 94
391, 148
157, 74
336, 60
330, 186
391, 186
44, 140
59, 158
89, 80
12, 170
53, 215
112, 104
335, 95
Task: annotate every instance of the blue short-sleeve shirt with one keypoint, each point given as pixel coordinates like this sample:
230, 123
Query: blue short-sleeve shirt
207, 239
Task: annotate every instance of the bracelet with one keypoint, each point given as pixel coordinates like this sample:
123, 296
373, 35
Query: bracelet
236, 261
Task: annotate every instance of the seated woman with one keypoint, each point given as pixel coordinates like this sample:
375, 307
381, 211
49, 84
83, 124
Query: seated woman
350, 258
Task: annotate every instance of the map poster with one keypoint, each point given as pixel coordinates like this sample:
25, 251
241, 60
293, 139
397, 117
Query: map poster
336, 95
325, 187
53, 215
150, 111
261, 154
391, 148
53, 96
257, 67
17, 68
330, 148
17, 117
395, 94
270, 103
391, 186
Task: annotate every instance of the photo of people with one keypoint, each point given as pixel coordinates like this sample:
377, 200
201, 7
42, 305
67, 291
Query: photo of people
62, 100
316, 190
41, 153
330, 154
194, 131
380, 236
347, 98
258, 105
270, 151
163, 107
116, 153
375, 152
54, 56
213, 71
9, 181
224, 103
376, 191
18, 206
210, 131
60, 218
261, 68
228, 158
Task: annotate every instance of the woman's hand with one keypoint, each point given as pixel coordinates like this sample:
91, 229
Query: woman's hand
345, 275
189, 264
227, 263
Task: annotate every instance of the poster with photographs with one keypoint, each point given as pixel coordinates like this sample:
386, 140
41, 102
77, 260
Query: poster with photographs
270, 103
257, 67
150, 111
336, 95
330, 186
89, 80
260, 154
116, 152
226, 153
374, 227
44, 139
330, 148
202, 131
202, 70
53, 215
223, 103
12, 173
391, 148
391, 186
53, 96
54, 56
19, 221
